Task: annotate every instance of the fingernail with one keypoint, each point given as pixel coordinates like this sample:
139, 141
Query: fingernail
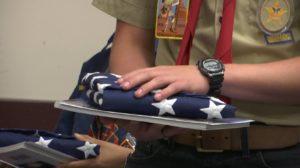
125, 85
139, 92
157, 96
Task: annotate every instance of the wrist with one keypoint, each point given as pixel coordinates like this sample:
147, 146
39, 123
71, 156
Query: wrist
213, 70
231, 79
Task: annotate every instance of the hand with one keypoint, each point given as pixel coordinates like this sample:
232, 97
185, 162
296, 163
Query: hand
111, 155
171, 79
146, 131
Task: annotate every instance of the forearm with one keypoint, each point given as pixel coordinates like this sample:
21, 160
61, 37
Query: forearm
277, 82
133, 48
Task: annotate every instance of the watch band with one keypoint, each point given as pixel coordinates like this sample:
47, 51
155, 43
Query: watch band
215, 85
215, 76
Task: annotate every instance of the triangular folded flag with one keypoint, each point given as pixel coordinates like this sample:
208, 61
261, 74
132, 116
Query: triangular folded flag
65, 144
102, 90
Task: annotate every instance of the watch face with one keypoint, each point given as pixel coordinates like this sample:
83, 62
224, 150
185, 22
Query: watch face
212, 65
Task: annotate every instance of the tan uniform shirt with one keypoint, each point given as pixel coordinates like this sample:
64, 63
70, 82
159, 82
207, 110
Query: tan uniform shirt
249, 45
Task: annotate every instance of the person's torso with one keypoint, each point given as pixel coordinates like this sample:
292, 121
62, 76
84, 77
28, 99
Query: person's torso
250, 45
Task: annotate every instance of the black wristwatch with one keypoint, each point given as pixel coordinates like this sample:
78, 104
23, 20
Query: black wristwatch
213, 69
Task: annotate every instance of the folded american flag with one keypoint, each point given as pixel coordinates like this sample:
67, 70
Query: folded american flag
65, 144
102, 89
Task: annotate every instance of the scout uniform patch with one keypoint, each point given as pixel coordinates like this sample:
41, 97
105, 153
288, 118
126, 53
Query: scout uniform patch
171, 18
274, 18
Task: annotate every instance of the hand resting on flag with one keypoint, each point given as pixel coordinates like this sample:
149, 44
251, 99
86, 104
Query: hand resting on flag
104, 91
173, 79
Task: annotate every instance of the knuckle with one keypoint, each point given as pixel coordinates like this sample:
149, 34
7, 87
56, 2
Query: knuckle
180, 85
171, 90
176, 87
155, 81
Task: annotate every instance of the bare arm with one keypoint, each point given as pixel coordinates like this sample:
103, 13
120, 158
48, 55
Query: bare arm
133, 48
276, 82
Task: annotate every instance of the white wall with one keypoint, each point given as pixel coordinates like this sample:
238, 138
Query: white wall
43, 44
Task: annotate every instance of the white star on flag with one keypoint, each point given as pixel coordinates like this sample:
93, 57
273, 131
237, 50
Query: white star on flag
101, 87
165, 106
88, 149
43, 142
213, 111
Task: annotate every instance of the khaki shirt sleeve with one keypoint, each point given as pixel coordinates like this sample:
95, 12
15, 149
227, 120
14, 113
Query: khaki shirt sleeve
140, 13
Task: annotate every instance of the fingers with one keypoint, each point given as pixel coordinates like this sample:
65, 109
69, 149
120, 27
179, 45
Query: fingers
153, 84
172, 87
140, 76
135, 78
170, 90
170, 79
149, 78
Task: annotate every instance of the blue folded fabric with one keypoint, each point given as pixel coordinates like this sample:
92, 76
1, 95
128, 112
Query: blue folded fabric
102, 89
65, 144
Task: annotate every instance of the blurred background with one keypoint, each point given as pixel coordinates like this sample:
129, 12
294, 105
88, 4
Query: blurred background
42, 46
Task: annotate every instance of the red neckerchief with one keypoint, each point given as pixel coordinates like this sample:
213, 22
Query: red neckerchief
224, 44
